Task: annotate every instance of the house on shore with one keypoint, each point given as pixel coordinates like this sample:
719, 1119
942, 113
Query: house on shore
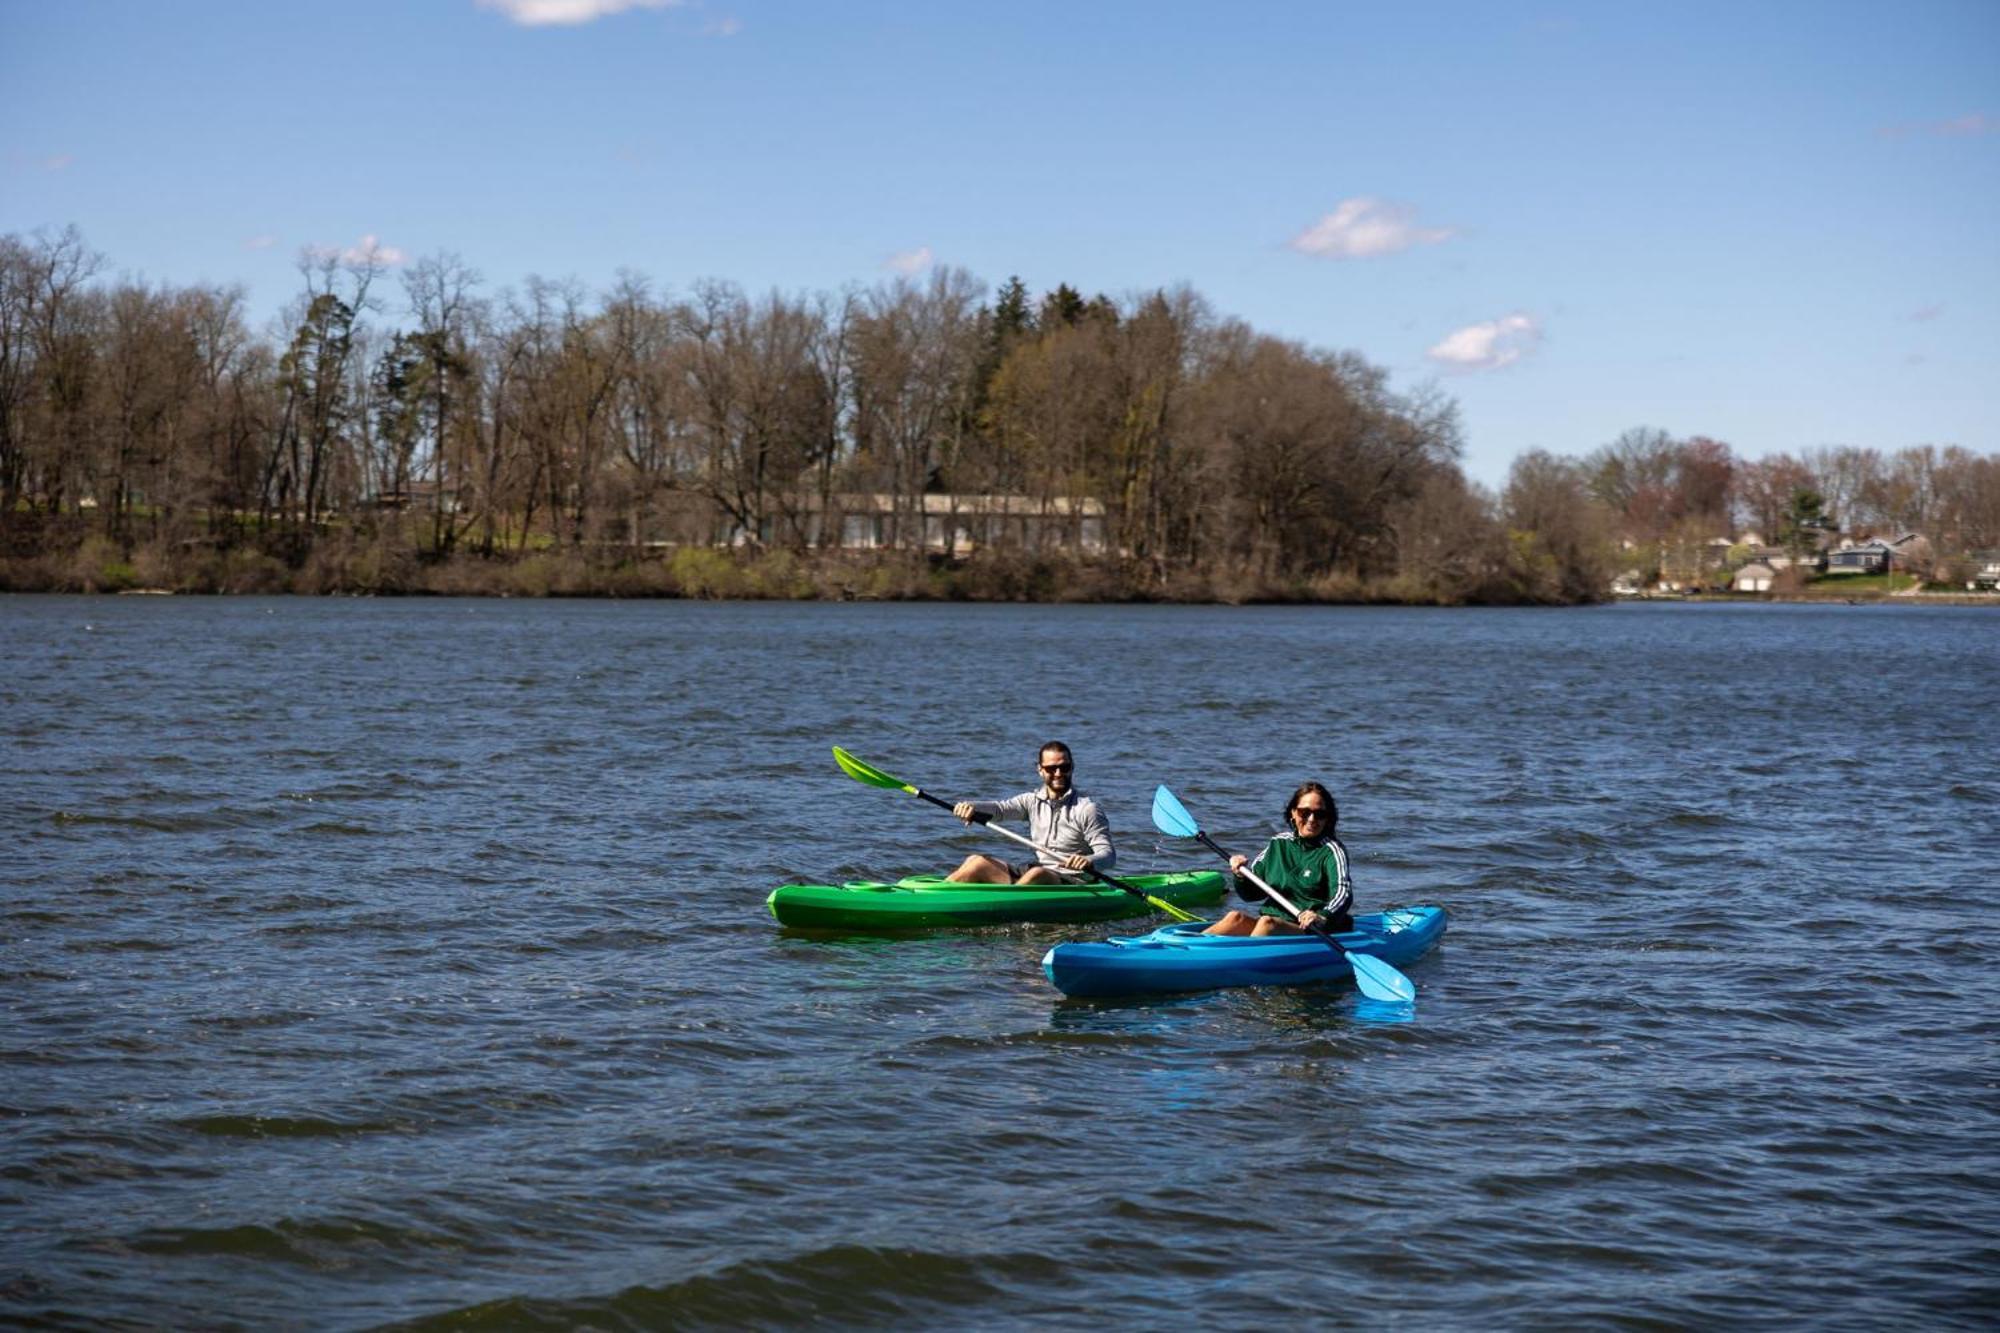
1909, 553
934, 523
1869, 557
1753, 577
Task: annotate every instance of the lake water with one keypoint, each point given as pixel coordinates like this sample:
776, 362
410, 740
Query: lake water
380, 961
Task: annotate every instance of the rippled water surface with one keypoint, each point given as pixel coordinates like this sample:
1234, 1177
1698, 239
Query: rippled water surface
368, 962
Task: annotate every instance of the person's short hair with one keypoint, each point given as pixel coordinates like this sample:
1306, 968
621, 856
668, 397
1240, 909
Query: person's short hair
1326, 799
1068, 758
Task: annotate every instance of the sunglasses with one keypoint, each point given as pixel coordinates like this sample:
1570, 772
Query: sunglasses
1055, 768
1309, 811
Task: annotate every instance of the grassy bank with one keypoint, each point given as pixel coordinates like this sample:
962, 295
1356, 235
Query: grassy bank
340, 567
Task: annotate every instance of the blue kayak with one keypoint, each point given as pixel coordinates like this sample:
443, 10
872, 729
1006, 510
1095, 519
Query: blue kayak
1180, 957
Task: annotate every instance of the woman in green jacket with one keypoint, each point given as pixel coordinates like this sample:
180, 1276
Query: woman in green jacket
1306, 863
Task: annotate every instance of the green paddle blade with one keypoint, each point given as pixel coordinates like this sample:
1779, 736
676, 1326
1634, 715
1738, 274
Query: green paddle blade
1169, 815
861, 772
1379, 980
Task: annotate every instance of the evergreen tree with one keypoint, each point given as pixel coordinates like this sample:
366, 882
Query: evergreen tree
1805, 519
1063, 307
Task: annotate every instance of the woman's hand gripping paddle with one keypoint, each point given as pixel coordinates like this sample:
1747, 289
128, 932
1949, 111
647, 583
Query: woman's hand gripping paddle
875, 777
1377, 979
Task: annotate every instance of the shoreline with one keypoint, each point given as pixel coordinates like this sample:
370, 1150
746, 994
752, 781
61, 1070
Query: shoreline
1700, 599
1829, 599
783, 575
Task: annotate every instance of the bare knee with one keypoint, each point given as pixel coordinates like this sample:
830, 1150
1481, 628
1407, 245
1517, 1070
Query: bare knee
1233, 923
980, 869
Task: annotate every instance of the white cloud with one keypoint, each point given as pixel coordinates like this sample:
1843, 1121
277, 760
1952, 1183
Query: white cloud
1926, 314
1958, 127
910, 261
723, 28
568, 13
58, 162
1488, 346
260, 242
1362, 228
369, 250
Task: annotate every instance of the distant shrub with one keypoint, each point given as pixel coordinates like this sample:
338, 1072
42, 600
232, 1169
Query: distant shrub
1180, 584
357, 563
99, 565
154, 565
1413, 590
247, 571
1340, 586
548, 574
1953, 573
1097, 581
702, 572
638, 578
894, 577
1005, 576
31, 573
382, 564
1791, 580
776, 574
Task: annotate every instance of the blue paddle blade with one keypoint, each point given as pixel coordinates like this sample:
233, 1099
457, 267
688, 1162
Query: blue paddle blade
1170, 816
1379, 981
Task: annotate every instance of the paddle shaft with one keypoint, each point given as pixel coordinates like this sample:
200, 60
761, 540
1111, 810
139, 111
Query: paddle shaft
1377, 978
1276, 897
875, 777
979, 817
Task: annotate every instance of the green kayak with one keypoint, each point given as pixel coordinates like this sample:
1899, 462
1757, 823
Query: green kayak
930, 900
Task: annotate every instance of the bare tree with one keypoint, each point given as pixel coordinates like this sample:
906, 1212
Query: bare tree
1449, 548
441, 290
1558, 528
316, 376
915, 353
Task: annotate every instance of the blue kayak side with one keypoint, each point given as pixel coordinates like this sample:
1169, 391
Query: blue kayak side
1181, 958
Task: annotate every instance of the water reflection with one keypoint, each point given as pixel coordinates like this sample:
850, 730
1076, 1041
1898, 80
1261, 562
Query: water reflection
861, 961
1383, 1011
1135, 1015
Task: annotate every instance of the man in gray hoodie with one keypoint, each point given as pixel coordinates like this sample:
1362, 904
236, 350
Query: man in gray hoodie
1068, 827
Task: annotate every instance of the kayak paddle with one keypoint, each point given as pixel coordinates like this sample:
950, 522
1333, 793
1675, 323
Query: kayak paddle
875, 777
1377, 979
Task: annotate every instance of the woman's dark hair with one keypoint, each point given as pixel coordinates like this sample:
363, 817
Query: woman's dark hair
1326, 799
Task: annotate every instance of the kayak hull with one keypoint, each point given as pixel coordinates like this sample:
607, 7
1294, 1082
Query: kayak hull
930, 900
1180, 958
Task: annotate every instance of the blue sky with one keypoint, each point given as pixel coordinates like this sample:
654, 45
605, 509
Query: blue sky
1774, 223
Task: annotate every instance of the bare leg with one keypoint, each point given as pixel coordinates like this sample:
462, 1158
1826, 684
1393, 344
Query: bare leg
1271, 925
978, 869
1233, 923
1040, 874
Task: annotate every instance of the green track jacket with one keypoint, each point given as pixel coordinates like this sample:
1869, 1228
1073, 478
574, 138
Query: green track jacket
1313, 875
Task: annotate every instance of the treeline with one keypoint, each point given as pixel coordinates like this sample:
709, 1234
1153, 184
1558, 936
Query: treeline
1654, 503
403, 429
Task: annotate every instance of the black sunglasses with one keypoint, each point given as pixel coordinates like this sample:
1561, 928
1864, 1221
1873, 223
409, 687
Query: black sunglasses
1309, 811
1055, 768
